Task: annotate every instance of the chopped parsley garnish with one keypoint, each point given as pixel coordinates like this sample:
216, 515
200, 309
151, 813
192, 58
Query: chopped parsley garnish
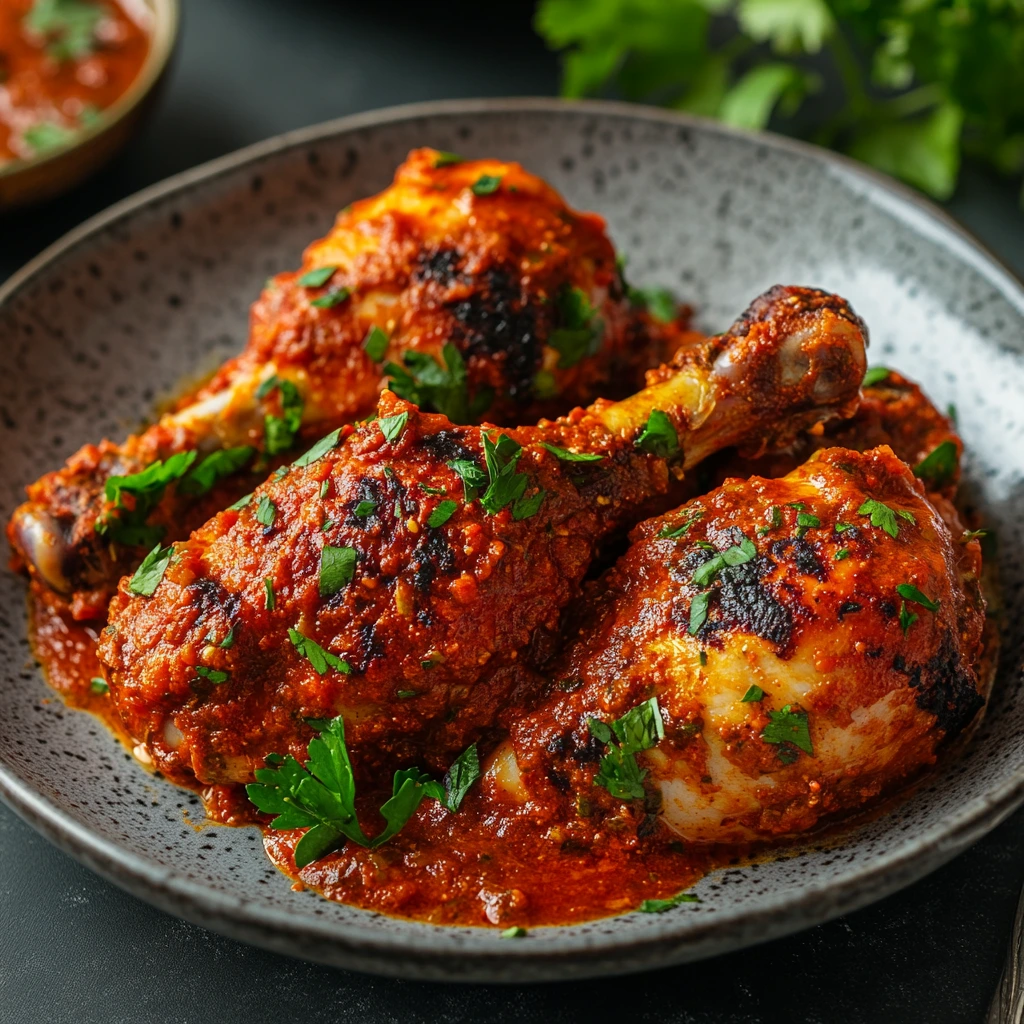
325, 486
337, 567
444, 511
515, 932
506, 486
659, 302
148, 575
910, 593
842, 553
939, 467
577, 335
317, 278
843, 527
280, 431
266, 512
319, 450
98, 685
320, 658
703, 657
445, 159
376, 344
68, 25
243, 502
213, 675
638, 729
426, 383
486, 184
215, 467
969, 535
875, 375
738, 554
660, 906
885, 517
798, 505
229, 640
907, 618
365, 508
431, 490
698, 612
320, 795
269, 597
46, 135
753, 695
567, 456
405, 694
472, 476
461, 775
659, 436
146, 489
674, 532
392, 426
335, 297
805, 521
789, 726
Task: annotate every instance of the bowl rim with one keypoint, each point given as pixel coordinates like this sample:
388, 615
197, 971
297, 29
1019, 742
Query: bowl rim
166, 25
407, 952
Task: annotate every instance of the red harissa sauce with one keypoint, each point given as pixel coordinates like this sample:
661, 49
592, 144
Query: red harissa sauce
63, 62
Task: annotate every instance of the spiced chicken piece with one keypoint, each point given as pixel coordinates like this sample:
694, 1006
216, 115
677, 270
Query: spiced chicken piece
401, 577
471, 285
811, 642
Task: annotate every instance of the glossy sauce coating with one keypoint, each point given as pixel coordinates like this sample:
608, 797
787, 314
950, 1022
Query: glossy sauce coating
49, 87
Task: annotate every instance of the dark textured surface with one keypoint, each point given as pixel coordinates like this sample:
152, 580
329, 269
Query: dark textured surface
74, 947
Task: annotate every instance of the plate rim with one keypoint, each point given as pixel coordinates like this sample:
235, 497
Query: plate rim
407, 953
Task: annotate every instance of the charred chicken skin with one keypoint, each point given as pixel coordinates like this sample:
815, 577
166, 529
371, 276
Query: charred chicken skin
811, 642
401, 577
471, 285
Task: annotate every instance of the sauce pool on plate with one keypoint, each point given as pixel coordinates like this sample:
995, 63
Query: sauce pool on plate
62, 63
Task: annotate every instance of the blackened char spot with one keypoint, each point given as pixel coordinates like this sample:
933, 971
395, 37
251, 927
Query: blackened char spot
208, 594
369, 490
438, 265
558, 780
588, 751
944, 687
447, 445
745, 603
433, 555
802, 554
496, 323
370, 648
848, 608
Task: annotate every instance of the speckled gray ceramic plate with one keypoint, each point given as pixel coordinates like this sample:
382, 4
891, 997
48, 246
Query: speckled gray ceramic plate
158, 288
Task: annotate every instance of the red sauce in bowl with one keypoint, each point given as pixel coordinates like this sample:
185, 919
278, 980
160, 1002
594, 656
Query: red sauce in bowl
62, 63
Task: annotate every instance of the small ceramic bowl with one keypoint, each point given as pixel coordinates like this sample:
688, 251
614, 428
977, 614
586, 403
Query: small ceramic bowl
59, 169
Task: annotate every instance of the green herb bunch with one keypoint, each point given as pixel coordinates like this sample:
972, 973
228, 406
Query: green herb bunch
924, 82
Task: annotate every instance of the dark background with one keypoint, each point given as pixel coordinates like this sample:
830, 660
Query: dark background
75, 948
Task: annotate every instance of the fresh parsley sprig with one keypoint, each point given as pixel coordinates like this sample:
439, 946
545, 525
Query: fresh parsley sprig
884, 516
444, 388
637, 730
279, 432
320, 795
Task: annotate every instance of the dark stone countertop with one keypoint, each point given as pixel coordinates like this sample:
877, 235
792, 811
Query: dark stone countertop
76, 948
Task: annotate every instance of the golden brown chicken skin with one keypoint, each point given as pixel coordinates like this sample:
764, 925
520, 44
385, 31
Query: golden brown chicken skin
445, 590
832, 659
471, 285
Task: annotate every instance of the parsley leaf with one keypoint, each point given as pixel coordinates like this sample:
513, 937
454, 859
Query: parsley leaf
335, 297
659, 302
69, 26
279, 431
737, 554
319, 450
753, 695
640, 728
446, 159
213, 675
266, 512
365, 508
884, 516
337, 567
789, 726
126, 523
320, 795
907, 618
842, 554
523, 508
567, 456
269, 597
659, 436
660, 906
939, 466
506, 485
376, 344
148, 575
698, 612
243, 502
805, 521
875, 375
216, 466
426, 383
675, 532
442, 513
316, 278
473, 477
486, 184
515, 932
98, 685
910, 593
392, 426
577, 335
320, 658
